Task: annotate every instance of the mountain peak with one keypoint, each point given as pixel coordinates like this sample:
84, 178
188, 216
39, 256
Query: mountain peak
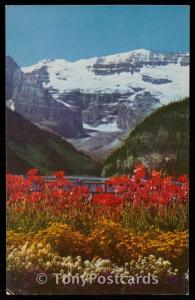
46, 62
116, 58
140, 51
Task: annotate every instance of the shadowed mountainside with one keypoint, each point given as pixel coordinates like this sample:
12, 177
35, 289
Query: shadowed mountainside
31, 147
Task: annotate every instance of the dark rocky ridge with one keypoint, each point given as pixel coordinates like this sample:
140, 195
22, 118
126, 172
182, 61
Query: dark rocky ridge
155, 80
134, 64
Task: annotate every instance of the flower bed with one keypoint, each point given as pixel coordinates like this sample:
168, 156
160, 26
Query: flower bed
142, 228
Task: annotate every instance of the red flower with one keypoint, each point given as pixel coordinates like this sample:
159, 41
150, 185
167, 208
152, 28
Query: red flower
32, 172
183, 178
139, 172
107, 199
59, 174
60, 194
35, 197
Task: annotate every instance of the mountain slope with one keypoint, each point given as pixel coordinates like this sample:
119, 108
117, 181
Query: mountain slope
29, 146
161, 141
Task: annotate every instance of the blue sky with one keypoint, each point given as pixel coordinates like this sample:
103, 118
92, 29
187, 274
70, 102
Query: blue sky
35, 32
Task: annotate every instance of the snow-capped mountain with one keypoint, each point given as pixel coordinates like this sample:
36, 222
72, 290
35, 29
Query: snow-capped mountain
120, 73
114, 92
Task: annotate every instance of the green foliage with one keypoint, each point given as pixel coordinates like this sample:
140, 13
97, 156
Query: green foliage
166, 218
160, 141
171, 218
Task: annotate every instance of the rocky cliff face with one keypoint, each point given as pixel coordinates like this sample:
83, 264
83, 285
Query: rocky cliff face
35, 103
11, 70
